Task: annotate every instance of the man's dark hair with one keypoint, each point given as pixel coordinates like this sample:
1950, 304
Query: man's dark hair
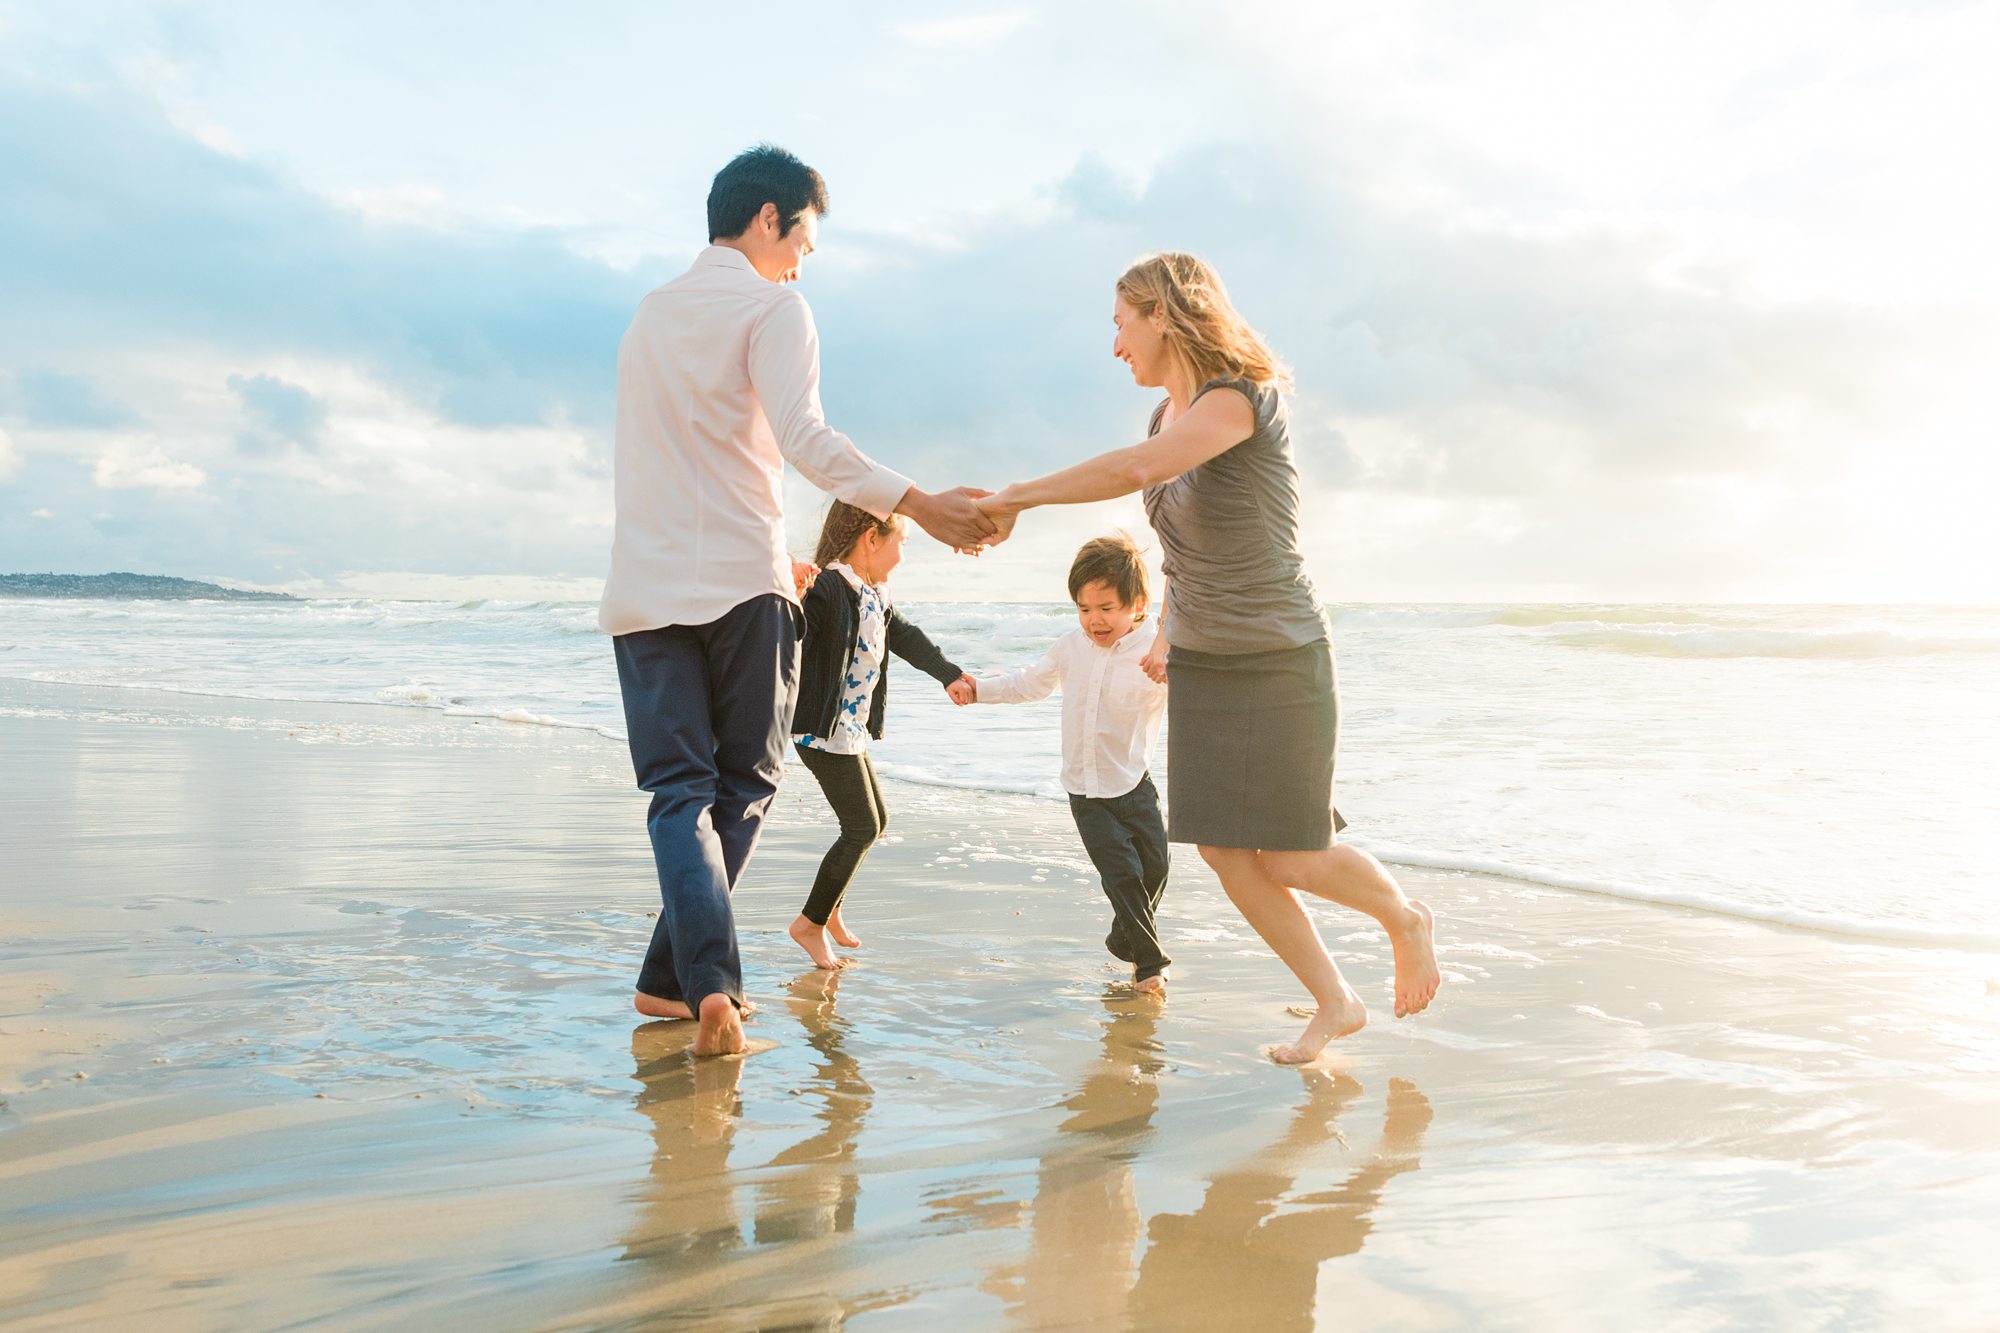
766, 174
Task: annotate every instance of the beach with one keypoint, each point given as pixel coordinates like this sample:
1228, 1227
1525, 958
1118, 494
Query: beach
319, 1012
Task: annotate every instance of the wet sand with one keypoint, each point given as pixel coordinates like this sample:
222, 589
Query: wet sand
346, 988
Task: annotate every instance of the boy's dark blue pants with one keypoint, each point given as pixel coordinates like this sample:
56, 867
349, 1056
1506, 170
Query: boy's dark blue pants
707, 708
1127, 842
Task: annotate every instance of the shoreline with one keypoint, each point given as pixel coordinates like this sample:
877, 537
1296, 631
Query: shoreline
349, 987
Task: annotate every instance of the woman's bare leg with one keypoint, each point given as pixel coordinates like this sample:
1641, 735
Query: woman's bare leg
1351, 877
1278, 916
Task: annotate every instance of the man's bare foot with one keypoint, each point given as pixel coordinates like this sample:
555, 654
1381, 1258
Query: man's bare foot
721, 1031
1153, 985
812, 938
1417, 976
1345, 1016
652, 1006
836, 926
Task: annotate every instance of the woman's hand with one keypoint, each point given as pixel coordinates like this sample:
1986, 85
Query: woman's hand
1154, 663
1001, 512
963, 691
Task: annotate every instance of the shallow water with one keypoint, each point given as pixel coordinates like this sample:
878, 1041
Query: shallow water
1821, 766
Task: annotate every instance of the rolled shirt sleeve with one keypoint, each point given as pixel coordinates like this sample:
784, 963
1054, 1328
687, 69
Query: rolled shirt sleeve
784, 369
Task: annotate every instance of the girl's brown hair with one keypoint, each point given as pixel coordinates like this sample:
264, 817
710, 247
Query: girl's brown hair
1204, 333
843, 528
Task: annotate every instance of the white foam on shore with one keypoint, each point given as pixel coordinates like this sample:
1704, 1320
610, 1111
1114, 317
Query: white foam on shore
1901, 932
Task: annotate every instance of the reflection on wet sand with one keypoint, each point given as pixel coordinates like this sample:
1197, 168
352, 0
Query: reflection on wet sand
689, 1233
1085, 1224
1250, 1255
816, 1192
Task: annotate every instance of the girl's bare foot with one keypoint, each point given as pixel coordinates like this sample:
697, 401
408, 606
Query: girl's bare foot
652, 1006
721, 1031
1417, 976
1346, 1015
812, 938
836, 926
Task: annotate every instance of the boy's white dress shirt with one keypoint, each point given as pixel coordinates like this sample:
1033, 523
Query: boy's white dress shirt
1111, 709
718, 387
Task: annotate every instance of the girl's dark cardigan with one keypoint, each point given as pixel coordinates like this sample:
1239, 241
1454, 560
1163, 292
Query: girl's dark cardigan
833, 627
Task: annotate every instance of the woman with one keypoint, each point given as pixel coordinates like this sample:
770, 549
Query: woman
1252, 713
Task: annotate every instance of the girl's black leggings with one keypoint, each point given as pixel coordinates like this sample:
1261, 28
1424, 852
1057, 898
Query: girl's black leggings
856, 797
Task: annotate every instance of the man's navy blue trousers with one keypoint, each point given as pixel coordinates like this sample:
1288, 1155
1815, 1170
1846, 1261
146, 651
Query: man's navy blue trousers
707, 708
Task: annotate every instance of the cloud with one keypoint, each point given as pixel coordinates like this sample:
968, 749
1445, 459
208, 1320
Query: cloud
10, 461
64, 402
279, 414
969, 30
136, 464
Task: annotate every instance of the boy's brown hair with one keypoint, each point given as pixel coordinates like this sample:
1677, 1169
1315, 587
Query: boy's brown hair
1114, 560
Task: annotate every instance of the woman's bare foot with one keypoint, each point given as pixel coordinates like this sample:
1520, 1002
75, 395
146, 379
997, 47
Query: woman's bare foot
652, 1006
836, 926
1417, 976
812, 938
721, 1031
1153, 985
1345, 1016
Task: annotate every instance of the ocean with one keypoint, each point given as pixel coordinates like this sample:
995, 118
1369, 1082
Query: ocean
1830, 768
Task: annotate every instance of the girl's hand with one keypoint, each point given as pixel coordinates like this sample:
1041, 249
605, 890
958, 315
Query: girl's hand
1154, 663
803, 574
963, 691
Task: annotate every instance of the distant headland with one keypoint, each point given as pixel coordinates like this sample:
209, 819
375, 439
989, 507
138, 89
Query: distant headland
150, 587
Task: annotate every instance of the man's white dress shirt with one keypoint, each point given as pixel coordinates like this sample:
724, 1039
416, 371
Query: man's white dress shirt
718, 387
1111, 709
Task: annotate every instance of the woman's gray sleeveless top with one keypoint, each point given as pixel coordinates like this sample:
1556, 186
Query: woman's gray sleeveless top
1229, 538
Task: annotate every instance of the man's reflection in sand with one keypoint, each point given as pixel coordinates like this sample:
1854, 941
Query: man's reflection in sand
1085, 1225
815, 1190
690, 1225
688, 1220
1236, 1261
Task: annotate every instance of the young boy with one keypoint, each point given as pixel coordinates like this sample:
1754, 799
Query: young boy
1110, 721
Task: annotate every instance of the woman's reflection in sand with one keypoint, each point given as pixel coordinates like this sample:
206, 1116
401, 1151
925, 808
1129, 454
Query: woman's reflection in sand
815, 1185
1085, 1225
1236, 1261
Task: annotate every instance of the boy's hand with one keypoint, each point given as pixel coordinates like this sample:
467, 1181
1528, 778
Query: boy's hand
963, 691
803, 575
1154, 663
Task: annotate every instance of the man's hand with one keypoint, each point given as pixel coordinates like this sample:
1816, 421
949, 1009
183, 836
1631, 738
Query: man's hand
803, 575
1154, 663
951, 517
963, 691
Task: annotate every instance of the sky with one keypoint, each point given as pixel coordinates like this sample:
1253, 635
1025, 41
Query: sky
1645, 302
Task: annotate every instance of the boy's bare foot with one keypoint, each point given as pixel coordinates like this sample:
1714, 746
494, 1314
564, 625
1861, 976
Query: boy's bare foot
836, 926
812, 938
1345, 1016
721, 1031
1417, 976
652, 1006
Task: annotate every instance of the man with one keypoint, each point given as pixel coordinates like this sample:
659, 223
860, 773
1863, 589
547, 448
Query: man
718, 387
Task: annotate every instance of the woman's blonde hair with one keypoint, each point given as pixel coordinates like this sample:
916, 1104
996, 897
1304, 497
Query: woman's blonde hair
1204, 333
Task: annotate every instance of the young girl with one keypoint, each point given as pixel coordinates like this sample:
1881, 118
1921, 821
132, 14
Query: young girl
843, 694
